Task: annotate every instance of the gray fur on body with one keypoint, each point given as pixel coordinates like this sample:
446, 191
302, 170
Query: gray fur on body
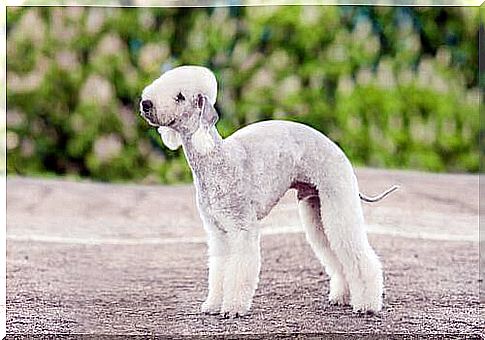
238, 181
241, 177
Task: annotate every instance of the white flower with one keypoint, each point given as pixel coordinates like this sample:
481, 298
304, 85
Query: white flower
67, 60
354, 123
152, 55
250, 61
385, 75
130, 73
364, 76
74, 12
443, 55
473, 97
146, 18
362, 30
412, 43
263, 78
220, 16
27, 147
395, 122
128, 117
310, 15
316, 80
15, 117
60, 28
95, 20
144, 148
261, 12
30, 81
98, 90
107, 147
405, 76
427, 76
289, 85
57, 17
30, 26
110, 44
372, 45
439, 84
345, 85
337, 52
278, 114
405, 26
279, 60
240, 53
12, 140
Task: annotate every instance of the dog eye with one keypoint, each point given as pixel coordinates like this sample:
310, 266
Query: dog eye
180, 97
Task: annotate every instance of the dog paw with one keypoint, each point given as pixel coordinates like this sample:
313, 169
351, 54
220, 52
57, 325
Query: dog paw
230, 312
339, 299
209, 307
232, 315
369, 307
339, 291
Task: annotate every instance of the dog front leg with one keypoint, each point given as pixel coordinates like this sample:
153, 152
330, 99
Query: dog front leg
218, 250
241, 274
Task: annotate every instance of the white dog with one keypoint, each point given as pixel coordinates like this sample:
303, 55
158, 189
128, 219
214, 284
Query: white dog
241, 178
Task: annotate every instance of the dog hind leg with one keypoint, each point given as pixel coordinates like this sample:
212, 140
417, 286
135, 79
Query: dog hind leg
310, 216
344, 225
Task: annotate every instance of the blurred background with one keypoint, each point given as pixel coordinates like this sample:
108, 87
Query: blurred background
394, 87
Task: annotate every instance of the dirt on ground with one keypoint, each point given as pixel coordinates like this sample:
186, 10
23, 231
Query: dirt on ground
86, 258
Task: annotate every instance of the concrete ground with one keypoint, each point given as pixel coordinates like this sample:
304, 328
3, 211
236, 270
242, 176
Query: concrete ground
90, 258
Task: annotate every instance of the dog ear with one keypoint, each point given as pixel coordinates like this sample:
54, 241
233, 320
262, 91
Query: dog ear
170, 137
208, 114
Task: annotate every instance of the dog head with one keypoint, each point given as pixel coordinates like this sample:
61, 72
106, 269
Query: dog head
180, 102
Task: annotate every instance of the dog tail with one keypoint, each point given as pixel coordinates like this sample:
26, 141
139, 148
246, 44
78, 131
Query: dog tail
378, 197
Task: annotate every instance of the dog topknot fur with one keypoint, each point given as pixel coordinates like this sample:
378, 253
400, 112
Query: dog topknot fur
239, 180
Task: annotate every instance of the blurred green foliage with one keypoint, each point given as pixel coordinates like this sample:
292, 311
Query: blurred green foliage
394, 87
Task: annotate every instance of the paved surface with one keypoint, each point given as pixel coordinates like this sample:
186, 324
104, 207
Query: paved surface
125, 259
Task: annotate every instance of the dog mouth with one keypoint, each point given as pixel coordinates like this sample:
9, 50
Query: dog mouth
150, 120
153, 120
150, 117
170, 123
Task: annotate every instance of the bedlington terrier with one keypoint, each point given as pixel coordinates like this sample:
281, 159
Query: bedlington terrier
238, 181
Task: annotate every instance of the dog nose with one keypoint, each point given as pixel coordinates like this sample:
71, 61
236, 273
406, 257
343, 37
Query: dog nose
146, 105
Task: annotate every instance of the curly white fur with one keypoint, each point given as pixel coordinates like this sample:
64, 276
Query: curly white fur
241, 178
170, 137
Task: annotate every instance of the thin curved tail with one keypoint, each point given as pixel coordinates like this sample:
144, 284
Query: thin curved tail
378, 197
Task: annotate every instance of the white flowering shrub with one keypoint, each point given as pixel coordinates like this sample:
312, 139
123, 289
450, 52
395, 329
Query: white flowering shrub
394, 87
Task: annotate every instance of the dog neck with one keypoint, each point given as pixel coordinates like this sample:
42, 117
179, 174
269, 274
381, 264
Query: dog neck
201, 146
